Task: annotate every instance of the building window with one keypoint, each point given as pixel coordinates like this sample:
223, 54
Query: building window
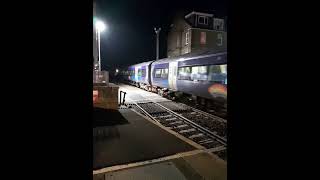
203, 38
187, 37
218, 24
219, 39
203, 20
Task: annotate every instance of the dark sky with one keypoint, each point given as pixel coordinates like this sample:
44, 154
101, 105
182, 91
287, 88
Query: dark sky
130, 37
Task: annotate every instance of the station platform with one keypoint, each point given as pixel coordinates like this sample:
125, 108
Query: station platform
133, 139
126, 145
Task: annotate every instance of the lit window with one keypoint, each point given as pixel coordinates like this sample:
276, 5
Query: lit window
164, 73
161, 73
199, 73
223, 69
218, 73
203, 20
184, 73
141, 72
186, 50
203, 38
158, 73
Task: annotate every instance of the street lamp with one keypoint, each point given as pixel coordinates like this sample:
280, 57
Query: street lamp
157, 31
100, 27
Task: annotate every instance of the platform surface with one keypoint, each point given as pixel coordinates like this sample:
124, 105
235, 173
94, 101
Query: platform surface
201, 166
122, 137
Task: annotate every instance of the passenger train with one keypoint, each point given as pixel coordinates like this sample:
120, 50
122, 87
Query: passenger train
203, 77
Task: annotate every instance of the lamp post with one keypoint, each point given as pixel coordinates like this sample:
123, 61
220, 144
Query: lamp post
157, 31
100, 27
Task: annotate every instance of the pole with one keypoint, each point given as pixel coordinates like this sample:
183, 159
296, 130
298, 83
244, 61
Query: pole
157, 46
157, 31
99, 59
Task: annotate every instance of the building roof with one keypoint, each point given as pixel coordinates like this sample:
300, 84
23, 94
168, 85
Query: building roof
198, 13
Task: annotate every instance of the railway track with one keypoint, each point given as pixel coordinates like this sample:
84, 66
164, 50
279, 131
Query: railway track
205, 129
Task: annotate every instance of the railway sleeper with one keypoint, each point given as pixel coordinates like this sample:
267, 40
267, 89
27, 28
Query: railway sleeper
196, 136
181, 128
176, 122
187, 130
171, 119
205, 140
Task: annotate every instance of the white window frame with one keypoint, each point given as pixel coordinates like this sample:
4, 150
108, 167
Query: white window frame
220, 22
219, 37
187, 37
186, 50
206, 19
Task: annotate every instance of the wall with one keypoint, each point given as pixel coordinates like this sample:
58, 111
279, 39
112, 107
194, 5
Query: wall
211, 41
176, 38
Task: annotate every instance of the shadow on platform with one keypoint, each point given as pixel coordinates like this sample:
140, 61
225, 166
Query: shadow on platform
106, 117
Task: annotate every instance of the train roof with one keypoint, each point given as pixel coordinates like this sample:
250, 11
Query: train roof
185, 57
189, 57
142, 64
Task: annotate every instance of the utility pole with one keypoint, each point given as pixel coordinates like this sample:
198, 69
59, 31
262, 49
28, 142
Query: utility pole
157, 31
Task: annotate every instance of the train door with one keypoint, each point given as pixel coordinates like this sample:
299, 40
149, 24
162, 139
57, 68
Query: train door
173, 75
136, 70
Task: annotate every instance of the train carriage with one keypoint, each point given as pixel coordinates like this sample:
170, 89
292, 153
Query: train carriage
204, 76
160, 73
139, 74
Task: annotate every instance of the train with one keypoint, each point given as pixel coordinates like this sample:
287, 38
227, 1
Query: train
202, 77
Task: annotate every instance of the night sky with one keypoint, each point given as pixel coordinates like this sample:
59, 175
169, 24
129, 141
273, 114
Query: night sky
130, 36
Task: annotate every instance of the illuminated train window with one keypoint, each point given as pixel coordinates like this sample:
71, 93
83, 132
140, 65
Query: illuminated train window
164, 73
131, 73
184, 73
158, 73
161, 73
218, 73
142, 72
199, 73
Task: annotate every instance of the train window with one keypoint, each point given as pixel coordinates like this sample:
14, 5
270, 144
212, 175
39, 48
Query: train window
199, 73
158, 73
223, 68
164, 73
184, 73
215, 69
218, 73
141, 72
161, 73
